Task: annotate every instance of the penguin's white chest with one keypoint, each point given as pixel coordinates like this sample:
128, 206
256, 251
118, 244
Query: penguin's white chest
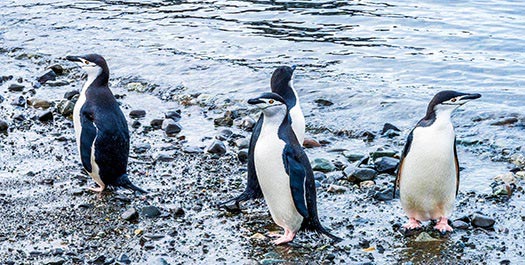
298, 122
428, 176
76, 116
274, 181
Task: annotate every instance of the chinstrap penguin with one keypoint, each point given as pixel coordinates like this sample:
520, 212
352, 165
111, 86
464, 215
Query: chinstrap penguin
100, 127
428, 174
284, 172
282, 84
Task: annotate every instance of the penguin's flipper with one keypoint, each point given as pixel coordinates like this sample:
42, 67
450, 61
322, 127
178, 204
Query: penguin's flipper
406, 149
297, 172
87, 136
456, 163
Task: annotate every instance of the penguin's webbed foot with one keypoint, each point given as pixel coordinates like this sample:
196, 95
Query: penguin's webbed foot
443, 226
412, 224
97, 189
287, 237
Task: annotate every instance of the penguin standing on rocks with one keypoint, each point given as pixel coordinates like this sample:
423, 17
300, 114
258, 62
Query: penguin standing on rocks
282, 84
428, 174
283, 171
100, 127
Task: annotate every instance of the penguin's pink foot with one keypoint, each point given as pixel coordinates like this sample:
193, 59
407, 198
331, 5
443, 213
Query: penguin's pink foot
443, 226
412, 224
98, 189
287, 237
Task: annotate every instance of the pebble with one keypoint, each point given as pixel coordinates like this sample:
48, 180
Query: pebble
367, 184
352, 157
377, 154
164, 157
310, 143
384, 194
227, 119
136, 86
248, 123
57, 68
190, 149
362, 174
57, 83
130, 214
518, 160
156, 123
242, 143
39, 103
48, 75
483, 221
425, 237
242, 155
217, 147
66, 107
323, 102
171, 127
224, 135
151, 211
141, 148
3, 126
173, 114
54, 261
19, 101
319, 176
137, 114
336, 189
506, 121
45, 116
323, 165
389, 126
136, 124
123, 258
386, 164
15, 88
459, 224
70, 94
2, 99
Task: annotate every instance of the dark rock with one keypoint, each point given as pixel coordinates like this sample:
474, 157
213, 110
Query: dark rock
57, 83
483, 221
174, 115
136, 124
389, 126
243, 156
99, 260
352, 157
323, 165
191, 149
151, 211
39, 103
2, 99
19, 101
391, 133
5, 78
310, 143
362, 174
369, 136
45, 116
57, 68
156, 123
54, 261
323, 102
163, 157
459, 224
70, 94
130, 214
179, 212
319, 176
242, 143
248, 123
377, 154
227, 119
3, 126
386, 164
224, 135
19, 117
65, 107
171, 127
123, 258
217, 147
48, 75
15, 88
137, 114
384, 195
506, 121
141, 148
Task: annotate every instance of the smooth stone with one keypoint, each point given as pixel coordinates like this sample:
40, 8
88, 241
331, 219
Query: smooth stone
47, 76
362, 174
54, 261
217, 147
130, 214
323, 102
319, 176
224, 135
248, 123
173, 114
39, 103
323, 165
384, 195
66, 107
57, 68
506, 121
123, 258
242, 155
19, 101
377, 154
171, 127
141, 148
156, 123
425, 237
45, 116
389, 126
483, 221
459, 224
352, 157
151, 211
15, 88
136, 124
3, 126
336, 189
137, 114
191, 149
70, 94
2, 99
242, 143
163, 157
386, 164
57, 83
310, 143
19, 117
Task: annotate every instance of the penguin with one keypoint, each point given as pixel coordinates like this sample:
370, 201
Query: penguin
428, 174
101, 129
282, 84
283, 171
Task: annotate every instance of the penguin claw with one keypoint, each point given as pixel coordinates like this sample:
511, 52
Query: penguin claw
412, 224
98, 189
443, 226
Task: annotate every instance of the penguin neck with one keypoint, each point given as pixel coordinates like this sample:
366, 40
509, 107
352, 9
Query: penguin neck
273, 121
97, 77
287, 91
440, 119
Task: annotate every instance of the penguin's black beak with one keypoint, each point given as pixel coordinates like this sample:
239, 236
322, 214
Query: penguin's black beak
74, 58
470, 96
255, 101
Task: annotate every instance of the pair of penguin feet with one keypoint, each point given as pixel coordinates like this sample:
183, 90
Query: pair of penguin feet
442, 225
286, 238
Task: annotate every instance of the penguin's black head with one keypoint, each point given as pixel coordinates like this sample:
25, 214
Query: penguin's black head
93, 64
449, 100
269, 103
281, 80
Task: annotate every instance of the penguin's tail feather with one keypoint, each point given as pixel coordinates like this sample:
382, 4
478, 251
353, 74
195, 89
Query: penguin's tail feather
313, 224
123, 181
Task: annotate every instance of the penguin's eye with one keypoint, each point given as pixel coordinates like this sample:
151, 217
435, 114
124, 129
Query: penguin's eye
86, 62
271, 101
453, 100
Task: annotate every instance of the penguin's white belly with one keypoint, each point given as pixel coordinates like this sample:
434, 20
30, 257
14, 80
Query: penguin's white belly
298, 123
275, 182
428, 177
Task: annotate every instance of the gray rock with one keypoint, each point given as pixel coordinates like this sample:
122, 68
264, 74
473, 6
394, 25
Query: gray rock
137, 114
518, 160
391, 133
156, 123
387, 127
164, 157
130, 214
57, 68
19, 117
217, 147
459, 224
323, 102
242, 143
248, 123
2, 99
386, 164
362, 174
336, 189
352, 157
123, 258
243, 155
227, 119
171, 127
54, 261
384, 195
48, 75
483, 221
141, 148
65, 107
15, 88
151, 211
45, 116
506, 121
319, 176
425, 237
57, 83
70, 94
377, 154
19, 101
3, 126
136, 124
39, 103
224, 135
174, 115
190, 149
323, 165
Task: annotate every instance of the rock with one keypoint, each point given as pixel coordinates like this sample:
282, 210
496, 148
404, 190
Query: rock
352, 157
137, 114
384, 194
39, 103
136, 124
483, 221
243, 156
459, 224
518, 160
362, 174
57, 68
323, 165
224, 135
123, 258
248, 123
257, 236
15, 88
66, 107
45, 116
171, 127
310, 143
164, 157
156, 123
336, 189
137, 86
501, 190
319, 176
173, 114
425, 237
323, 102
130, 214
369, 136
48, 75
386, 164
151, 211
19, 117
54, 261
70, 94
57, 83
389, 126
377, 154
217, 147
391, 134
179, 212
19, 101
2, 99
3, 126
366, 184
242, 143
506, 121
227, 119
192, 149
141, 148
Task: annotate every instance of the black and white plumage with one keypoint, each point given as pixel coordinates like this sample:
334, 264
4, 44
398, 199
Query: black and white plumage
284, 172
100, 127
282, 84
428, 174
